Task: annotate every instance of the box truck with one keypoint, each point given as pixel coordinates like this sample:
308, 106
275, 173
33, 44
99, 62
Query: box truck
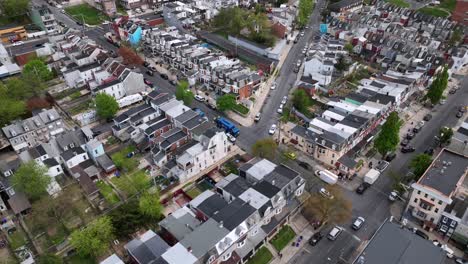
327, 176
371, 176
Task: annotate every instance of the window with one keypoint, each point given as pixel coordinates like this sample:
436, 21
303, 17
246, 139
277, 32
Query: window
211, 259
278, 210
432, 219
84, 156
254, 231
436, 210
58, 169
444, 220
331, 162
415, 200
95, 151
425, 195
227, 256
266, 221
424, 205
432, 199
241, 244
444, 228
421, 214
440, 202
453, 223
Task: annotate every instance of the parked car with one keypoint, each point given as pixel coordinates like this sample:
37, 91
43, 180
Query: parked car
315, 238
462, 108
272, 129
393, 196
18, 43
325, 193
164, 76
150, 72
404, 142
173, 82
362, 188
199, 98
280, 109
409, 135
452, 91
382, 165
145, 64
302, 33
285, 99
148, 82
273, 86
427, 117
358, 223
231, 138
334, 233
257, 117
429, 151
407, 149
290, 155
443, 101
304, 165
420, 233
390, 156
459, 114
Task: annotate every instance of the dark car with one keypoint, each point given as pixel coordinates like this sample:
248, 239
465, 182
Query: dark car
173, 82
79, 23
40, 45
304, 165
452, 91
315, 238
146, 64
404, 142
459, 114
164, 76
462, 109
407, 149
429, 151
427, 117
362, 188
420, 233
390, 156
409, 135
416, 129
150, 73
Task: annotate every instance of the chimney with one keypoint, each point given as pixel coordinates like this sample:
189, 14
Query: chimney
273, 182
189, 249
220, 224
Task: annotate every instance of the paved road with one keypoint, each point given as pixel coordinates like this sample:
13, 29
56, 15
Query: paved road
285, 82
374, 205
28, 46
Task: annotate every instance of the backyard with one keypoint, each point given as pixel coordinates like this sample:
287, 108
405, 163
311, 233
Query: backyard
400, 3
241, 109
108, 193
282, 239
262, 256
86, 13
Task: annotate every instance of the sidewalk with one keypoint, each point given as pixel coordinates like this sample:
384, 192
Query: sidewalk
263, 94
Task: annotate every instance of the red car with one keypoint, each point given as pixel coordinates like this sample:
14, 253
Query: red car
148, 82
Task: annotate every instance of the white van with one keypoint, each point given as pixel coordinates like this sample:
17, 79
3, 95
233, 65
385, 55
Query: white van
334, 233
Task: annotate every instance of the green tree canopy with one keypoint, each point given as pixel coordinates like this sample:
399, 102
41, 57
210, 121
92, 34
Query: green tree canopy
301, 101
341, 64
445, 135
38, 68
419, 164
150, 205
335, 210
14, 10
226, 102
265, 148
183, 92
349, 47
388, 138
305, 9
31, 178
49, 259
106, 106
93, 240
437, 87
127, 218
10, 110
17, 89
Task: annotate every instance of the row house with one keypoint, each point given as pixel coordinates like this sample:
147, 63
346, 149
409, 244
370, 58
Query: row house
229, 225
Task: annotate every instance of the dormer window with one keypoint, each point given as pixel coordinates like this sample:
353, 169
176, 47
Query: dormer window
211, 259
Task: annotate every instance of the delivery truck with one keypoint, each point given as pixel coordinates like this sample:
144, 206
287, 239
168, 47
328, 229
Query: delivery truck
371, 176
327, 176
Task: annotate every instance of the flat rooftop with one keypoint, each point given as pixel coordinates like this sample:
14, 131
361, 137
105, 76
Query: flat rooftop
445, 172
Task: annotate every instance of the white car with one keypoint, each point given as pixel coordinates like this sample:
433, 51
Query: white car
273, 86
18, 43
325, 193
334, 233
302, 33
272, 129
443, 101
280, 109
285, 99
231, 138
257, 117
199, 98
358, 223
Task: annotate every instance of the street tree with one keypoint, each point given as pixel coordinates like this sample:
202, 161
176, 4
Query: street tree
106, 106
93, 240
183, 92
305, 9
301, 101
128, 218
437, 87
226, 102
150, 205
265, 148
388, 138
445, 135
335, 210
32, 179
130, 57
419, 164
38, 68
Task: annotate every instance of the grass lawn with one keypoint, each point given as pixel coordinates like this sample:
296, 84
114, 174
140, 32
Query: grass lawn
131, 184
262, 256
108, 193
90, 15
193, 192
434, 11
282, 239
400, 3
77, 259
448, 4
17, 239
241, 109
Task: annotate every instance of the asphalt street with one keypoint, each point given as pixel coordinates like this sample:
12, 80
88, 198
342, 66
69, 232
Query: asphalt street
26, 47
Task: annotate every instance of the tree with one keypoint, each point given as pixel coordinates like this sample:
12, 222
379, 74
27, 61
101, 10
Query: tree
335, 210
437, 87
17, 89
388, 138
14, 10
301, 101
10, 110
396, 182
106, 106
349, 47
129, 56
341, 64
38, 68
49, 259
122, 162
265, 148
150, 205
420, 163
183, 93
226, 102
456, 37
31, 178
93, 240
445, 135
305, 9
127, 218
